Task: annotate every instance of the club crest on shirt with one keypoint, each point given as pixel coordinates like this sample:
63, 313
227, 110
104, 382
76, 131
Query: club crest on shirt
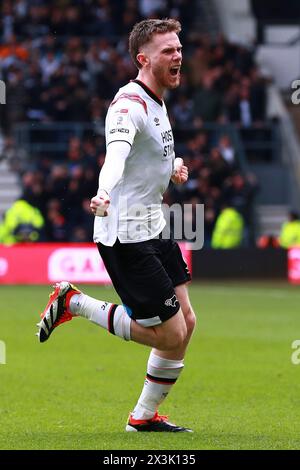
171, 302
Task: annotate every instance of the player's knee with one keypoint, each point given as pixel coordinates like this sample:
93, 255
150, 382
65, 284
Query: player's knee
177, 339
190, 320
172, 339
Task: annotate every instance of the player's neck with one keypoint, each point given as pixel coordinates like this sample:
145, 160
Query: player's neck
151, 84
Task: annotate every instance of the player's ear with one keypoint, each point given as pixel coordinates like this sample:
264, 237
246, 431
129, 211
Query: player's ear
142, 59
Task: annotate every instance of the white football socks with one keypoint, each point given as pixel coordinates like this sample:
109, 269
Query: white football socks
110, 316
161, 375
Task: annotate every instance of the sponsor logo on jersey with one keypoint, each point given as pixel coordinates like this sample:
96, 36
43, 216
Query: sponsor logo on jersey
119, 129
167, 136
156, 120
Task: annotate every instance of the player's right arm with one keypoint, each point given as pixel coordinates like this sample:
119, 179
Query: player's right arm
125, 118
110, 174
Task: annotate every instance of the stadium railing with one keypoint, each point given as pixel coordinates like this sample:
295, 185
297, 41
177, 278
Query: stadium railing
52, 139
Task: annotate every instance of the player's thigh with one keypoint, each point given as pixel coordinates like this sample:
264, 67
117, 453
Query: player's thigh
173, 262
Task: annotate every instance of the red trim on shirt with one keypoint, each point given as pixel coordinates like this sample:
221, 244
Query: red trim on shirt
132, 97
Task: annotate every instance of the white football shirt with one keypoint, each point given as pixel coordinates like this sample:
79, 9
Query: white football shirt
139, 118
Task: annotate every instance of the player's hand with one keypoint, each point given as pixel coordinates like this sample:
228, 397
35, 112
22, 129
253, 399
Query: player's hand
181, 172
99, 204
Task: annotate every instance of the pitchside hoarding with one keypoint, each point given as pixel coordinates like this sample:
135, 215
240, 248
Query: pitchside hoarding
46, 263
294, 265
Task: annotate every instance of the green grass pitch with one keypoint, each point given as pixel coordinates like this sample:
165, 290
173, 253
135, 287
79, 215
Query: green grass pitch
239, 389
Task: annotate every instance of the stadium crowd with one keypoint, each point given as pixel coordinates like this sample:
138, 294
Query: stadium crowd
63, 61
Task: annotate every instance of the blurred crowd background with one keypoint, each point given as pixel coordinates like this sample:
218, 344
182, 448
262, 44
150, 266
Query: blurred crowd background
63, 61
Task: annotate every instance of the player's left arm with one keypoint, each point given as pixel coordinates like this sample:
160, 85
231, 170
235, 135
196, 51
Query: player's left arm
180, 172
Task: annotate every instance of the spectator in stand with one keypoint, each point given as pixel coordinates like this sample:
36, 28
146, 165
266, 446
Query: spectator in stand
74, 155
56, 224
198, 63
258, 94
227, 150
197, 146
12, 51
219, 168
16, 98
290, 231
13, 154
183, 111
79, 235
81, 229
57, 181
207, 100
22, 223
6, 21
228, 230
241, 111
239, 192
49, 63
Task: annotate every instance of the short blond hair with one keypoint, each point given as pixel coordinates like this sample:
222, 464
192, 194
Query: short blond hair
143, 32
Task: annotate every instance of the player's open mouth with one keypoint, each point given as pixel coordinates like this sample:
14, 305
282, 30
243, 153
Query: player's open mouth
174, 71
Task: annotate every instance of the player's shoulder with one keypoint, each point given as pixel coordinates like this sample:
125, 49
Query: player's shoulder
133, 96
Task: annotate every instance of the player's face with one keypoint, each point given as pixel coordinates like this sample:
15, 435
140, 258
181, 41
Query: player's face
165, 56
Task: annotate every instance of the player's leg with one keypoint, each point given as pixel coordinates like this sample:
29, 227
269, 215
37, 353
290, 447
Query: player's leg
133, 270
168, 335
67, 302
164, 367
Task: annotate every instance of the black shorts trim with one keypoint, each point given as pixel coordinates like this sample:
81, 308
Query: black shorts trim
144, 275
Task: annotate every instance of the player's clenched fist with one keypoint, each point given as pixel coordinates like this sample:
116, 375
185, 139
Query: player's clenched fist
99, 204
180, 173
